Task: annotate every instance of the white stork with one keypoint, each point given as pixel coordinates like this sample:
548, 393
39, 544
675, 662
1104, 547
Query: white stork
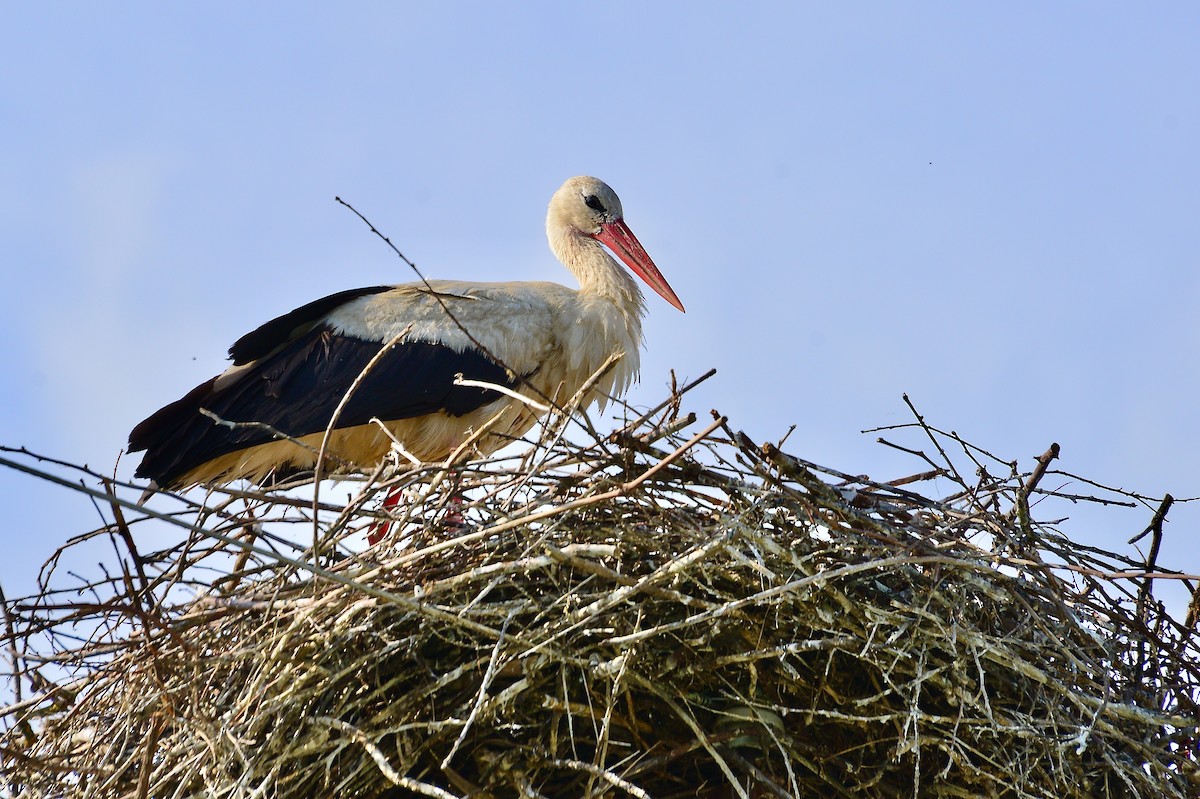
540, 339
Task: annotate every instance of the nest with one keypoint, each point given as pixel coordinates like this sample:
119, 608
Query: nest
671, 610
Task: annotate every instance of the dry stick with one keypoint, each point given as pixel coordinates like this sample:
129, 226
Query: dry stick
1105, 501
137, 610
445, 467
774, 788
602, 773
916, 453
53, 478
620, 435
127, 536
1021, 507
1026, 525
481, 695
773, 453
148, 746
582, 502
232, 493
790, 587
933, 438
662, 464
644, 417
566, 410
1193, 610
1132, 574
431, 485
1155, 527
1146, 500
356, 502
337, 412
459, 380
14, 654
648, 764
573, 404
1043, 463
482, 430
702, 736
950, 434
668, 429
359, 737
1145, 591
397, 445
844, 513
236, 493
585, 615
573, 556
602, 746
920, 477
558, 431
410, 605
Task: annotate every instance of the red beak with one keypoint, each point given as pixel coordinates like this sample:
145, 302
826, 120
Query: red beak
617, 236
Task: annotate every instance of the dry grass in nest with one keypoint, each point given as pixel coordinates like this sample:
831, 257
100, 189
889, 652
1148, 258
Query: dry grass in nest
663, 612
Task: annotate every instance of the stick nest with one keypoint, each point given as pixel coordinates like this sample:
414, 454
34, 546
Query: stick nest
671, 610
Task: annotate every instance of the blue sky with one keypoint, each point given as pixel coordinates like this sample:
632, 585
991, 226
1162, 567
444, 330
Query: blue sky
991, 207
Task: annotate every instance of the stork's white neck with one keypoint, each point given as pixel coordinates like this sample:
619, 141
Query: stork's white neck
607, 315
600, 277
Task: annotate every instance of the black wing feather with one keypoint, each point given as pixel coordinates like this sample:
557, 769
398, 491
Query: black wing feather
263, 340
298, 386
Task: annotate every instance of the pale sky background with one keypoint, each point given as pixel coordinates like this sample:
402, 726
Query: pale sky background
992, 207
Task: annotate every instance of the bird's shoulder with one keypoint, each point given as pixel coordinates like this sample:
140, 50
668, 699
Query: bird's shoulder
513, 295
270, 336
455, 313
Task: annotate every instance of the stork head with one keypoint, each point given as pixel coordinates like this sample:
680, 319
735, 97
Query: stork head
587, 206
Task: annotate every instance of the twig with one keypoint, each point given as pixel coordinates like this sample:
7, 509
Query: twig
329, 428
10, 637
481, 695
1155, 527
393, 776
459, 380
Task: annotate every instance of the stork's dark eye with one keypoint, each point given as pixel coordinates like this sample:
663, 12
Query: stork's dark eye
593, 202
